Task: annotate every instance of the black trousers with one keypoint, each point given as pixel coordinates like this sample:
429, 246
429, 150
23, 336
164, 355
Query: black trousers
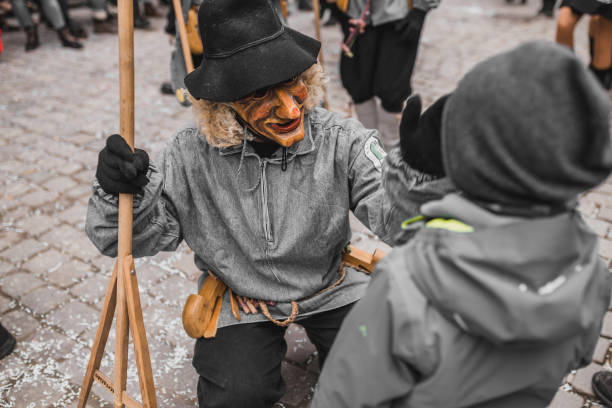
592, 7
381, 66
241, 366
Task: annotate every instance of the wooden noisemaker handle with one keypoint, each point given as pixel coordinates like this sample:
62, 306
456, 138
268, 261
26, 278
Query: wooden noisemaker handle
178, 11
316, 8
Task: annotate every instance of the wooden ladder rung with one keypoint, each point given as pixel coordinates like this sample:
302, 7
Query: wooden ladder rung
107, 383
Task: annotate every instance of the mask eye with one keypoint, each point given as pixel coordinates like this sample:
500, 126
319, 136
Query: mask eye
260, 93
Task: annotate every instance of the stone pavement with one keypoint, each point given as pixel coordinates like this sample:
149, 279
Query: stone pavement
57, 106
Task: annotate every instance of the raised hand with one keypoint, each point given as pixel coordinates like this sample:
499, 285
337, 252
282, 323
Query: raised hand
420, 135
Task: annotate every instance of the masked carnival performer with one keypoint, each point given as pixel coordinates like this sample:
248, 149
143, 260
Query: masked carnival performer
381, 40
260, 191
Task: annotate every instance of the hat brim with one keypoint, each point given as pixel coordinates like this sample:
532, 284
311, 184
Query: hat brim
231, 78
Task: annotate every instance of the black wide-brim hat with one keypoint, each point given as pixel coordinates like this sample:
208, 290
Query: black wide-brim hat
246, 48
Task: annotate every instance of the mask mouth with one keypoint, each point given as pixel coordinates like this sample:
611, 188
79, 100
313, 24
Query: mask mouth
286, 127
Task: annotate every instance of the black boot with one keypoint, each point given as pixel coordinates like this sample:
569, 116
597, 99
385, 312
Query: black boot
77, 31
104, 26
140, 21
7, 342
31, 38
547, 8
151, 11
166, 88
67, 39
601, 382
305, 5
604, 76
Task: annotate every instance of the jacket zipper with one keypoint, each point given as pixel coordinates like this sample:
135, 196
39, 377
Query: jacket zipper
265, 212
264, 200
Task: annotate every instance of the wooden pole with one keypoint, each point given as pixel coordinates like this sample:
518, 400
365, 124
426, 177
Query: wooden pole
126, 129
178, 11
122, 294
284, 9
316, 8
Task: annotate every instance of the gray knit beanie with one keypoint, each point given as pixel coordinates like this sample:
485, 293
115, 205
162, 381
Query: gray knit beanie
527, 127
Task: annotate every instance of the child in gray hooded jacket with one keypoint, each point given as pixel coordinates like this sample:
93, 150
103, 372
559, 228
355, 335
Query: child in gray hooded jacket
501, 291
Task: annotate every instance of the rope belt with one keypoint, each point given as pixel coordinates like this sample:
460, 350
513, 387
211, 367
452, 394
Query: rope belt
201, 311
294, 304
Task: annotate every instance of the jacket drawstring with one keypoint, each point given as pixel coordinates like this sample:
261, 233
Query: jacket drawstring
242, 154
244, 142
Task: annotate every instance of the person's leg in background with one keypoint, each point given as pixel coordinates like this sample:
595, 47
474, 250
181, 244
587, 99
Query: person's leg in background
103, 22
140, 21
566, 23
75, 29
7, 342
357, 75
24, 18
53, 13
601, 64
150, 10
399, 42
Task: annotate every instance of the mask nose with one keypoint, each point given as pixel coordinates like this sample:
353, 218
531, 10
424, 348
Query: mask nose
287, 107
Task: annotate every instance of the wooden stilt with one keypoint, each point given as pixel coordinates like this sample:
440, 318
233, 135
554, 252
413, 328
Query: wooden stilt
316, 8
178, 11
122, 293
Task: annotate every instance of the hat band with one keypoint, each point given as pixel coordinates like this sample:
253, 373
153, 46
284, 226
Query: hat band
225, 54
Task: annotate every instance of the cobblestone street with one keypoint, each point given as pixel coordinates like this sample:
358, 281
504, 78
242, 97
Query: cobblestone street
58, 105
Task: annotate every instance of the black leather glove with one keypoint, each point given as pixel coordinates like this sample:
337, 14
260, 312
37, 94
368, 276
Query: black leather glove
420, 136
119, 170
409, 28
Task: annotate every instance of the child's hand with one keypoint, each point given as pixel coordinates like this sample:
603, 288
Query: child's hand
119, 169
359, 24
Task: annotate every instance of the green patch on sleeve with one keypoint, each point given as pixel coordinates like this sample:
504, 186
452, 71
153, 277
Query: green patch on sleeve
449, 225
374, 152
363, 329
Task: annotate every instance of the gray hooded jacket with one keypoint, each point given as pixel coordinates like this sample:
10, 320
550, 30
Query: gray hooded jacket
268, 234
491, 314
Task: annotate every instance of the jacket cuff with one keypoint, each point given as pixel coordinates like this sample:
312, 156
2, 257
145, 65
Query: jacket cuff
150, 193
408, 188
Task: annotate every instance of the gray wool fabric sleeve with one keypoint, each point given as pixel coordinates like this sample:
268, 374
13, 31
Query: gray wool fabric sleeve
155, 227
